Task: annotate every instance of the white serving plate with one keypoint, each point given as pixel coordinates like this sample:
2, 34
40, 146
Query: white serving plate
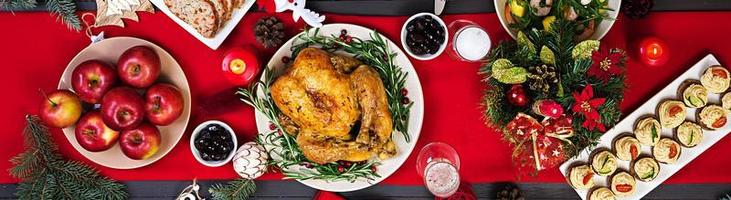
109, 50
599, 33
648, 108
413, 85
222, 33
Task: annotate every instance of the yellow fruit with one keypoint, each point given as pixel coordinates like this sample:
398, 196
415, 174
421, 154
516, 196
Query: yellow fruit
517, 9
547, 22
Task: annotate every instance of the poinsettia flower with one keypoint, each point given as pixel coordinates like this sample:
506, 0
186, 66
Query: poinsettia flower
586, 105
606, 64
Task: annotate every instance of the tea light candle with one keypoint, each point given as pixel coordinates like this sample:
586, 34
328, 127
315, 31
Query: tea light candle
240, 66
653, 51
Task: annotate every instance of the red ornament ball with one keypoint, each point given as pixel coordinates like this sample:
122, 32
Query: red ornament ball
516, 96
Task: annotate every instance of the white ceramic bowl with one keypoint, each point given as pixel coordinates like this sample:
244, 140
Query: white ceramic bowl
195, 151
425, 56
601, 30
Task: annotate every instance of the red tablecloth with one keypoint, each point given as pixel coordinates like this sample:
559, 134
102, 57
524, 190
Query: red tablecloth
36, 49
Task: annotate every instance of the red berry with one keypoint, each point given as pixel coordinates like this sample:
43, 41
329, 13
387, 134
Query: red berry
348, 39
285, 59
405, 100
272, 126
343, 32
404, 91
341, 169
373, 168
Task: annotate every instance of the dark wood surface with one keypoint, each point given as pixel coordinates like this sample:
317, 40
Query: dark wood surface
295, 190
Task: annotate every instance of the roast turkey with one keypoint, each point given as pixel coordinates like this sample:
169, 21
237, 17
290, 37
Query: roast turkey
335, 106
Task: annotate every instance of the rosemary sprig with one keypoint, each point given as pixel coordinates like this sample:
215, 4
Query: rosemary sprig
376, 53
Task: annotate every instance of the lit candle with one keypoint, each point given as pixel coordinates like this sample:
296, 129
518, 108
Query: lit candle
653, 51
240, 66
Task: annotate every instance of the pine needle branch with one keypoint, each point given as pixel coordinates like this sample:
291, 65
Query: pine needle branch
239, 189
45, 175
65, 10
18, 4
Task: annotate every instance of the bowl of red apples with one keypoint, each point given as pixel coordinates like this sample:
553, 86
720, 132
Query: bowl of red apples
122, 102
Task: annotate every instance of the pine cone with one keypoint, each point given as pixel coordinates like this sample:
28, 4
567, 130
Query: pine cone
636, 9
510, 192
542, 78
269, 32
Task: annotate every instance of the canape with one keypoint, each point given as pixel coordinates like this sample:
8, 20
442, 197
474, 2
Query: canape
666, 151
712, 117
647, 131
645, 169
715, 79
671, 113
689, 134
622, 184
601, 193
726, 101
603, 162
626, 147
694, 95
580, 177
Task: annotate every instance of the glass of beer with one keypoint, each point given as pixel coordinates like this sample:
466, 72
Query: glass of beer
438, 165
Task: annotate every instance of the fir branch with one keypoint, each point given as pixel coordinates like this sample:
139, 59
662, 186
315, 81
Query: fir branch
65, 11
18, 4
239, 189
45, 175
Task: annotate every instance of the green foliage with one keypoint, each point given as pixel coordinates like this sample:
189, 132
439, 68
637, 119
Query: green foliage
45, 175
65, 10
239, 189
595, 11
572, 78
18, 4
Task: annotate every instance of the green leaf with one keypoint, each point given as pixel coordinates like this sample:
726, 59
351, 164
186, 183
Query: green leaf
523, 41
654, 132
547, 56
504, 71
584, 49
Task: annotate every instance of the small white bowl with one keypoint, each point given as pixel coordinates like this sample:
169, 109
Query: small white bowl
196, 153
425, 56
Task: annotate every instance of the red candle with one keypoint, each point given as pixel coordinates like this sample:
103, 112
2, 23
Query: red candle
240, 66
653, 51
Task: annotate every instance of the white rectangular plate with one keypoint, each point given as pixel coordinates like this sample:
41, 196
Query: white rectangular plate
648, 108
222, 33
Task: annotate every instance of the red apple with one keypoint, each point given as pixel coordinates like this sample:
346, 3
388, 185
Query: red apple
140, 143
139, 66
91, 79
93, 135
164, 104
123, 108
60, 108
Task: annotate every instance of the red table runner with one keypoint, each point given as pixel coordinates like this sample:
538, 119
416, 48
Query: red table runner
36, 49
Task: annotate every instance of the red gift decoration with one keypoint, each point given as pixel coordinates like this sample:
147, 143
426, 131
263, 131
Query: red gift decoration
539, 146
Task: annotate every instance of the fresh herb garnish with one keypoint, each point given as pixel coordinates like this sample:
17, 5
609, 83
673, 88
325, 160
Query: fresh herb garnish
604, 162
649, 175
690, 141
654, 132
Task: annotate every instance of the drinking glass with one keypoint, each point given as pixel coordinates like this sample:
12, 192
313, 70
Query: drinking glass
438, 165
470, 42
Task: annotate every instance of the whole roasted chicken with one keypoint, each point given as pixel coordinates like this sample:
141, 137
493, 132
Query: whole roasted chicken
335, 106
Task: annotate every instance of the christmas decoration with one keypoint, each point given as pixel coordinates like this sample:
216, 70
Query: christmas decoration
45, 174
250, 160
516, 96
269, 32
539, 145
65, 10
191, 192
547, 108
239, 189
504, 71
653, 51
586, 105
542, 78
509, 192
241, 66
298, 10
111, 12
636, 9
558, 71
606, 63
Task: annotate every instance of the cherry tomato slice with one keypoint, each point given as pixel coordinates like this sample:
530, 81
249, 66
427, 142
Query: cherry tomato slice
623, 187
673, 151
720, 122
588, 177
633, 151
675, 110
719, 72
